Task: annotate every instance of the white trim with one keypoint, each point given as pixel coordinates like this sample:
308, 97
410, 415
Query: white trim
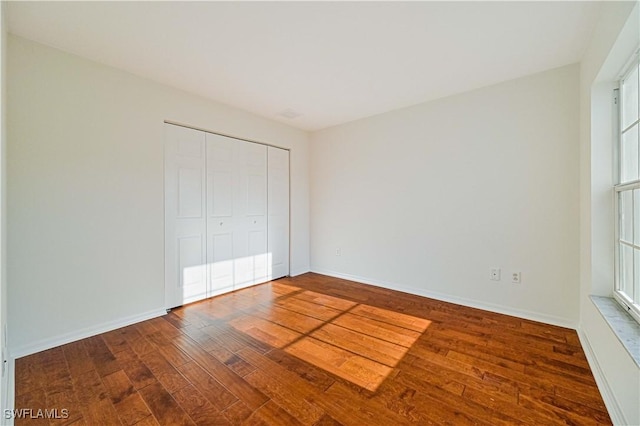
240, 138
615, 411
626, 129
626, 69
300, 271
627, 304
63, 339
533, 316
630, 303
627, 186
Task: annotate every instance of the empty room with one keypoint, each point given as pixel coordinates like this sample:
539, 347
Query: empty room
320, 213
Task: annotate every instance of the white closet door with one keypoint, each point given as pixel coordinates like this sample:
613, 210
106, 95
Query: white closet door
221, 223
251, 264
278, 206
185, 225
226, 214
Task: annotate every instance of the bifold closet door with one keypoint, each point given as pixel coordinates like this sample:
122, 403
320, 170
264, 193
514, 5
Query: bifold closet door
237, 213
226, 214
185, 225
278, 207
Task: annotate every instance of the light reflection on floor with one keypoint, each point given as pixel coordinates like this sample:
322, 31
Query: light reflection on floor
357, 342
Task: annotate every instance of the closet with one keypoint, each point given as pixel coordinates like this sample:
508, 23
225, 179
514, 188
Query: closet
226, 214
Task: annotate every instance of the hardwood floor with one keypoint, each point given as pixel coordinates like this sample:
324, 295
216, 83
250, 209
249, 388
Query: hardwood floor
315, 350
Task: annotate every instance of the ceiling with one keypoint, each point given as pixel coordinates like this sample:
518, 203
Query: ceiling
319, 63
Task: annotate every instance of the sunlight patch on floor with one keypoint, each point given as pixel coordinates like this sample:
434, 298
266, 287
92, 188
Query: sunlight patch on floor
357, 342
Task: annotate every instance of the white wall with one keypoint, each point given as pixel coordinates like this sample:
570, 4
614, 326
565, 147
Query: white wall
615, 37
85, 188
427, 199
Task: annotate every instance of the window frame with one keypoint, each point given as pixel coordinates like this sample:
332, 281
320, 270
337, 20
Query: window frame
631, 305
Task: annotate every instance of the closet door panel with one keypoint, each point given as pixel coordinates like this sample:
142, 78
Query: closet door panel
221, 193
256, 195
192, 267
185, 237
221, 265
221, 223
190, 201
259, 255
278, 208
251, 214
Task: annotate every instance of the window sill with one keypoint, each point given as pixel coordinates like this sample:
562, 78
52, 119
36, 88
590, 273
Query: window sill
625, 328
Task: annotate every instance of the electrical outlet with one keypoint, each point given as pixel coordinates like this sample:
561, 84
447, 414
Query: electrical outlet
516, 277
494, 274
338, 251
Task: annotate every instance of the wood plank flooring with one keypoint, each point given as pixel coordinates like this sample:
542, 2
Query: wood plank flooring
315, 350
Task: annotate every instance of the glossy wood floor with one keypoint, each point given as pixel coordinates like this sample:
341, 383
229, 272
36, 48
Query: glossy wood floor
315, 350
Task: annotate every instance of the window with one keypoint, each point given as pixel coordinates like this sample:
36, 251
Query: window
627, 190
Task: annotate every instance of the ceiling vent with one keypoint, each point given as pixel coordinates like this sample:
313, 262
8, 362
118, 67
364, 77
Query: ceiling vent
289, 113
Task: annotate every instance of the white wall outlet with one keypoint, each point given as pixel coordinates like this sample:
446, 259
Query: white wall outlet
338, 251
494, 274
516, 277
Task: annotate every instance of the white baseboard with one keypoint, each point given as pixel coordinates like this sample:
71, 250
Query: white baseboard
615, 412
296, 272
533, 316
63, 339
